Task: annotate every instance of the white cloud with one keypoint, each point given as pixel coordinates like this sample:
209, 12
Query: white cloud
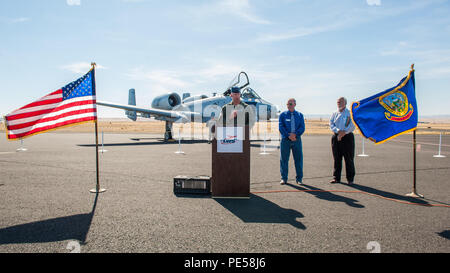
242, 9
167, 78
336, 19
210, 76
218, 69
81, 67
297, 33
20, 20
396, 49
436, 72
17, 20
373, 2
73, 2
231, 9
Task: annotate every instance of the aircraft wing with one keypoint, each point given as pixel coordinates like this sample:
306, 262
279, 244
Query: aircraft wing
171, 115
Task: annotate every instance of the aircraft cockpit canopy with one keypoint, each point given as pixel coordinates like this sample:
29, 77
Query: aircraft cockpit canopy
249, 94
241, 81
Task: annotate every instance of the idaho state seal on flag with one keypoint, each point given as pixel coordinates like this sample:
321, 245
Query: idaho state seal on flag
397, 106
388, 114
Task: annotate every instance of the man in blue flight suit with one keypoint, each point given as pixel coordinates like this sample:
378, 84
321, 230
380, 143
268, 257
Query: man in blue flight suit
291, 125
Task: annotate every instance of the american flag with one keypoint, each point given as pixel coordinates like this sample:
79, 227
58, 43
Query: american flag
73, 104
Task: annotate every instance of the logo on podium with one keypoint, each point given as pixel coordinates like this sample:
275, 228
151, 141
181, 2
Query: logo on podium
230, 139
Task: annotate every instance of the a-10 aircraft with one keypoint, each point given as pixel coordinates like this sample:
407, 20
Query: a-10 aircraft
172, 108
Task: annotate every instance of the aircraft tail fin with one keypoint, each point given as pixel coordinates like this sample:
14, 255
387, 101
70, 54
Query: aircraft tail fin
131, 101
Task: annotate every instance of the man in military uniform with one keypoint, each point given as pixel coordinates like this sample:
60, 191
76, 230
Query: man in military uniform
236, 113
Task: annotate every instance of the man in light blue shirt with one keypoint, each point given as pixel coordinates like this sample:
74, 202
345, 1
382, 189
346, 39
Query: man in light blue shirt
343, 142
291, 125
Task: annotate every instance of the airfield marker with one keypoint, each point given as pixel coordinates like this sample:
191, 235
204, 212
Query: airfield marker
440, 143
21, 149
363, 152
103, 147
264, 147
179, 142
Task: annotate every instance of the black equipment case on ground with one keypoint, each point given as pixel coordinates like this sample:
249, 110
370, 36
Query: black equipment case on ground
183, 184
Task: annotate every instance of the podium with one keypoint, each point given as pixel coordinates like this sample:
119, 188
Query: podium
231, 163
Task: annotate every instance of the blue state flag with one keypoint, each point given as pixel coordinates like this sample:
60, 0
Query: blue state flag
388, 114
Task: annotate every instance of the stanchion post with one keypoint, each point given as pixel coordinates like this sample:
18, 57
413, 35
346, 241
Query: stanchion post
264, 152
363, 149
179, 142
440, 144
103, 147
21, 149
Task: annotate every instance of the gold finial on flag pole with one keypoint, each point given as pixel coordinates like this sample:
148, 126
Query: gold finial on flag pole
412, 67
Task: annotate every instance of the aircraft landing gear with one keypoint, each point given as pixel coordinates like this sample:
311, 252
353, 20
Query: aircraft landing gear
168, 134
212, 130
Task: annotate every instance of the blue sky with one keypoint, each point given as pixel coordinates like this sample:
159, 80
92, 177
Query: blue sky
314, 51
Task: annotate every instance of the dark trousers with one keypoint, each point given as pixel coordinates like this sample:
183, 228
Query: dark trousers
344, 148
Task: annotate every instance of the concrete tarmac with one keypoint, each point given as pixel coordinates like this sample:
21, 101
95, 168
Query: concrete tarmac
45, 201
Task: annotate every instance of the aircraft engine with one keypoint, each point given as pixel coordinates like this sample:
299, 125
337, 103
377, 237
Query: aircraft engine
166, 101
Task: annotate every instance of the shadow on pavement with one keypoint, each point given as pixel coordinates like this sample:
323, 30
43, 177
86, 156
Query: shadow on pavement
445, 234
386, 194
192, 195
74, 227
329, 196
259, 210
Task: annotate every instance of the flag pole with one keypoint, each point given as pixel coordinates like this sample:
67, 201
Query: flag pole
97, 187
414, 192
